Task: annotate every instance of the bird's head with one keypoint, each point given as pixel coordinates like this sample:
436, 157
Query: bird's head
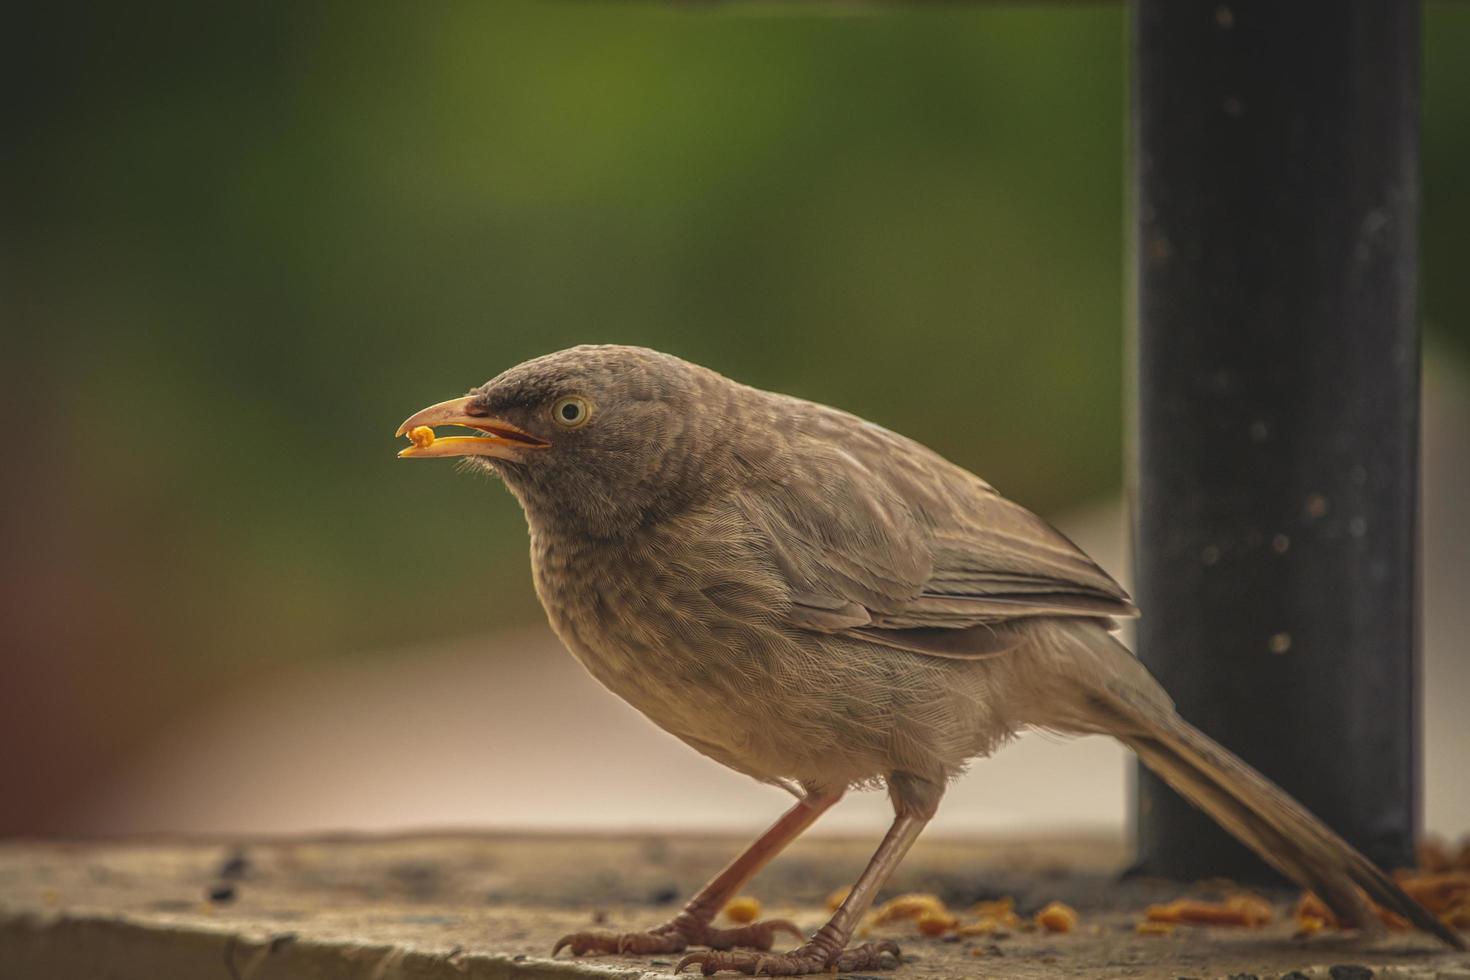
593, 439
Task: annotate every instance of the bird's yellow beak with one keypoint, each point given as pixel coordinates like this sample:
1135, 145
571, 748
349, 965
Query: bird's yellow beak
501, 438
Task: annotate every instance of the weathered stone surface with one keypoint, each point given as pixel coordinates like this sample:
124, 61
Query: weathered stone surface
490, 906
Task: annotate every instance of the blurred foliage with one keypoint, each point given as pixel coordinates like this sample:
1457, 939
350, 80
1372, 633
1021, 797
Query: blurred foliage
1444, 300
242, 242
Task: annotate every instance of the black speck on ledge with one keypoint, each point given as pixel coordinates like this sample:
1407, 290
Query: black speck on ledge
236, 866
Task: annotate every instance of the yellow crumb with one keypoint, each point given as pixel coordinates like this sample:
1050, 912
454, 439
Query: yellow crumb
909, 907
1150, 927
1308, 925
982, 928
743, 909
1057, 917
1001, 911
1445, 893
835, 900
1309, 906
422, 436
1438, 892
932, 923
1237, 910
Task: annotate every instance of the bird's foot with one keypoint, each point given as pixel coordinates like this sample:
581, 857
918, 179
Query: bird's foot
677, 936
810, 958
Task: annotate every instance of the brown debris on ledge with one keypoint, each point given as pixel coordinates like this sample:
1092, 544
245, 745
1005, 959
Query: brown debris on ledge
467, 906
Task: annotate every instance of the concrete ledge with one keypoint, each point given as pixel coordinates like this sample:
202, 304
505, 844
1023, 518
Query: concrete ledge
490, 906
119, 948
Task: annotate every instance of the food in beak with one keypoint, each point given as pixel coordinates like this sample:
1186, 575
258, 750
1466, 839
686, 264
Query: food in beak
495, 437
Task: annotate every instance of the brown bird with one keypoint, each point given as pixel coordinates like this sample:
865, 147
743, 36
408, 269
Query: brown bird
821, 603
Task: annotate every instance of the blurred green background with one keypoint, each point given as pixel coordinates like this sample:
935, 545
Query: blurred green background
240, 245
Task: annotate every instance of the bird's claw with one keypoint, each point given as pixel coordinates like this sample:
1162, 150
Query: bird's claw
804, 960
677, 937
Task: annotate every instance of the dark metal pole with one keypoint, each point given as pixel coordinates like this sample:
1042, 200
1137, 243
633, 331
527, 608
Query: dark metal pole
1276, 170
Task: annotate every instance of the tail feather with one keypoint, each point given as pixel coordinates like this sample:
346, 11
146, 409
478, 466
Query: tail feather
1273, 847
1270, 822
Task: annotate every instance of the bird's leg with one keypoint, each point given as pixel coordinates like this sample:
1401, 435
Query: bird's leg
693, 925
827, 949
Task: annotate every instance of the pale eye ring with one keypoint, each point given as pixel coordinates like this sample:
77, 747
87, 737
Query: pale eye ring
571, 411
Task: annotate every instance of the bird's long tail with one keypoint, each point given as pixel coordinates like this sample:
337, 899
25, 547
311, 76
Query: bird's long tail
1270, 822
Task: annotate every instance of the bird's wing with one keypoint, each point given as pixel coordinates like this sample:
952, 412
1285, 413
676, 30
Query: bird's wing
879, 537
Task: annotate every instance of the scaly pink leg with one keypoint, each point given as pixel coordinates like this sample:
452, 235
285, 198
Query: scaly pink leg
827, 949
692, 926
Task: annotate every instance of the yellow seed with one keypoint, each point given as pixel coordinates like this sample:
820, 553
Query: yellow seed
1237, 910
982, 928
1150, 927
1310, 925
743, 909
835, 900
1002, 911
934, 923
422, 436
909, 907
1057, 917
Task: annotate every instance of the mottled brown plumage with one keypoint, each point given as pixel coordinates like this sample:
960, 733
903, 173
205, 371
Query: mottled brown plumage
821, 603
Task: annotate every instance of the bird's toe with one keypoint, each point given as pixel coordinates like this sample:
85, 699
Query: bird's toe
882, 955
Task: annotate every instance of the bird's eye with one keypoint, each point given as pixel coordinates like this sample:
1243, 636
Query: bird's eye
571, 411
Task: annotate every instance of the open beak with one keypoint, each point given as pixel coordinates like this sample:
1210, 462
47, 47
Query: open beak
500, 438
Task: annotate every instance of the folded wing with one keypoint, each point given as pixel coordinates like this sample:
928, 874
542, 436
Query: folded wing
881, 538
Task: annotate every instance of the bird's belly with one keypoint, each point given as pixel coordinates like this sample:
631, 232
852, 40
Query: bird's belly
696, 674
818, 712
772, 701
682, 701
